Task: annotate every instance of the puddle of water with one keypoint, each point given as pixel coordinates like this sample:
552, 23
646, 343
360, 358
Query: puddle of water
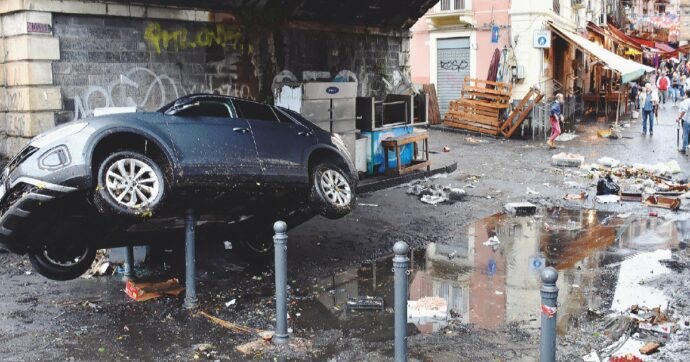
601, 259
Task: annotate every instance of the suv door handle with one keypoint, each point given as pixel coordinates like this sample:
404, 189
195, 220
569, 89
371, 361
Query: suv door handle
305, 133
240, 130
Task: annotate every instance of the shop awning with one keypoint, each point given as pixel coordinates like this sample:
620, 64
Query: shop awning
664, 47
628, 69
623, 38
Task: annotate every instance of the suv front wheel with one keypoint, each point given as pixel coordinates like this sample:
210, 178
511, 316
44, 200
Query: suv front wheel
332, 191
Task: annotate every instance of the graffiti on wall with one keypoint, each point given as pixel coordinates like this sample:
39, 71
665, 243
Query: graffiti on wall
180, 38
454, 65
148, 90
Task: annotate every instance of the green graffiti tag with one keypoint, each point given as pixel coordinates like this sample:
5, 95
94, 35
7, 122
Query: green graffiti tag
181, 39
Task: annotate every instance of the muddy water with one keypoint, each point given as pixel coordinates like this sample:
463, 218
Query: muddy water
488, 276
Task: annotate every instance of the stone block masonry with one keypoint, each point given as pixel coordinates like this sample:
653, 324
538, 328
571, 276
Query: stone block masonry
60, 63
28, 98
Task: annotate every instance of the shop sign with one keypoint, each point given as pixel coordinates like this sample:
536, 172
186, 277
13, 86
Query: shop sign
542, 39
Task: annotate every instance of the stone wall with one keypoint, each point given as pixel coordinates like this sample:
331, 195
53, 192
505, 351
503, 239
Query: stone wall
101, 60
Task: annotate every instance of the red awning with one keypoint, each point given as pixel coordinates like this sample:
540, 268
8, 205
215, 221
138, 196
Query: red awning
596, 28
623, 38
645, 42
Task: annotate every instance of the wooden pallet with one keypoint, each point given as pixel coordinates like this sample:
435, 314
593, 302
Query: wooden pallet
479, 107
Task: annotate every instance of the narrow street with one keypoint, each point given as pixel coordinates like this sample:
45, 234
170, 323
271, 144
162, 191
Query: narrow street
330, 260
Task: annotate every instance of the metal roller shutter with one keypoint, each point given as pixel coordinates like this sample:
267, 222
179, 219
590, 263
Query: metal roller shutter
453, 65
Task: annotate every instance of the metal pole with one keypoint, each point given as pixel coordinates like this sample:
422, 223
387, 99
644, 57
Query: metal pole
280, 251
190, 300
401, 264
129, 263
549, 296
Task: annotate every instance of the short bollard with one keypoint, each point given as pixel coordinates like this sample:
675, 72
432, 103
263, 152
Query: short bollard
280, 251
129, 263
190, 259
549, 297
401, 263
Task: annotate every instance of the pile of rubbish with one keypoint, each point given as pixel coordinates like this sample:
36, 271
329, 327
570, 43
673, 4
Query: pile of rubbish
659, 185
433, 194
642, 332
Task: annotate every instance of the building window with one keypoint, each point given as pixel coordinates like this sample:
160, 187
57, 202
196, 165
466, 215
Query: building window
557, 7
448, 5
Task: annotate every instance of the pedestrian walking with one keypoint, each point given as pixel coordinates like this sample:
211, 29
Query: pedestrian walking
555, 118
675, 88
662, 84
648, 99
684, 120
634, 95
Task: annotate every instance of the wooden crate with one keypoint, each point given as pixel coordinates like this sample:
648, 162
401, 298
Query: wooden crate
479, 107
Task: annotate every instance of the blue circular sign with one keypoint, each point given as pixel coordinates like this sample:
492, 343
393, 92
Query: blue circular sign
541, 40
536, 263
332, 90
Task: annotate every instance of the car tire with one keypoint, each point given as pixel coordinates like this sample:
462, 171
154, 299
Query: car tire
332, 191
61, 262
257, 250
129, 184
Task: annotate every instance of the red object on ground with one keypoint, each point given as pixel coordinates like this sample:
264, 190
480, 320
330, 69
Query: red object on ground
653, 214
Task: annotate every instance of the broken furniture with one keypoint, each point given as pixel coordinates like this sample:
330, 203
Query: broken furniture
480, 106
519, 113
395, 143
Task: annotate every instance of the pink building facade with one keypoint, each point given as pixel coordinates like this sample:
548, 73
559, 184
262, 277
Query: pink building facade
455, 39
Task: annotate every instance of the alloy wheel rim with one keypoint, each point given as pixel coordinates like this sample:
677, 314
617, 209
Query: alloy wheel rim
336, 188
132, 183
65, 260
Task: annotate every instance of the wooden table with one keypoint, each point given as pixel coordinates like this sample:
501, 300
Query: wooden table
394, 143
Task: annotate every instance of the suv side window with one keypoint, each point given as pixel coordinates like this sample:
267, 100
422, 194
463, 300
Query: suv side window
206, 109
253, 110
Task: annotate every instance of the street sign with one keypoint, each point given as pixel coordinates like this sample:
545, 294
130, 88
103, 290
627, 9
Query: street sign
494, 34
542, 39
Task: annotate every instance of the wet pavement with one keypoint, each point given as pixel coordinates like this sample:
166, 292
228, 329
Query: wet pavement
609, 256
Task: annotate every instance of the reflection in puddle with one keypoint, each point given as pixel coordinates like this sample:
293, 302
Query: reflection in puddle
489, 275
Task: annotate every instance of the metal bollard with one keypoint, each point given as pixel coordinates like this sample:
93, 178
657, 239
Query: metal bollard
280, 251
401, 263
549, 297
129, 263
190, 300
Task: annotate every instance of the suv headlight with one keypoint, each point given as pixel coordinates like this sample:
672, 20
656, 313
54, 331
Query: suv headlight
46, 138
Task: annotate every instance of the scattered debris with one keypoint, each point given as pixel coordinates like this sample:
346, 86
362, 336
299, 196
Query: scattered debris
205, 350
609, 162
433, 194
365, 303
580, 196
231, 302
567, 159
145, 291
100, 265
227, 244
607, 199
606, 186
475, 141
370, 205
650, 347
663, 202
521, 208
446, 149
232, 326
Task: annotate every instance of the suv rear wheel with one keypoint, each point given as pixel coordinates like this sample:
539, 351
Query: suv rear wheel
332, 190
63, 262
